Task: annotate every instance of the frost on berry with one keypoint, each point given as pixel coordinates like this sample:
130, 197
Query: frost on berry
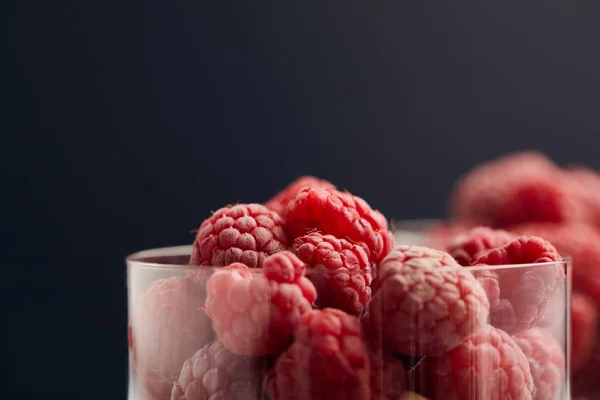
168, 326
467, 247
425, 303
342, 215
520, 296
216, 373
487, 365
245, 233
256, 313
546, 361
280, 201
328, 360
339, 269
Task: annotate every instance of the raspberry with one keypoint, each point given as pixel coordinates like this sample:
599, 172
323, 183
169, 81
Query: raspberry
255, 314
467, 247
513, 189
342, 215
425, 303
340, 271
245, 233
168, 326
585, 382
327, 360
280, 201
487, 365
214, 372
546, 362
582, 244
526, 292
584, 184
584, 318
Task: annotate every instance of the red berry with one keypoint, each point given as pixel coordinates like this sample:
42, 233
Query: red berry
513, 189
342, 215
585, 382
546, 362
168, 326
245, 233
582, 244
425, 303
465, 248
339, 269
327, 360
280, 201
255, 314
584, 185
216, 373
488, 365
584, 318
524, 293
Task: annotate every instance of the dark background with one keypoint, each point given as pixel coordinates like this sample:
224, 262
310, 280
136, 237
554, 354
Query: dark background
125, 123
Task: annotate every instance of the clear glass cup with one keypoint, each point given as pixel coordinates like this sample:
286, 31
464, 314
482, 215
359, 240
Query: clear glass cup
176, 354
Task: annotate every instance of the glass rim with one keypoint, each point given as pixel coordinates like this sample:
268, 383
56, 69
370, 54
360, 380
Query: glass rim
137, 259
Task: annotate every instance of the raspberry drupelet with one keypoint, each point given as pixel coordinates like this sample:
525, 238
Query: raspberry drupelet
280, 201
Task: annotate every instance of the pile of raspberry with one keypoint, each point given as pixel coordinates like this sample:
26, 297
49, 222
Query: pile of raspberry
526, 193
308, 296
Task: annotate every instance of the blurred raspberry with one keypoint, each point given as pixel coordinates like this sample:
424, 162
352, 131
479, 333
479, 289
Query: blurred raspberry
525, 293
216, 373
255, 314
342, 215
584, 319
546, 362
469, 246
487, 365
339, 269
168, 327
280, 201
582, 244
513, 189
327, 360
245, 233
425, 303
585, 382
442, 234
584, 184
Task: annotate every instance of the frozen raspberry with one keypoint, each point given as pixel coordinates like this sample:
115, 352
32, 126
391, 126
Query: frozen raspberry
339, 269
425, 303
281, 199
327, 360
255, 314
513, 189
342, 215
487, 365
216, 373
546, 362
525, 293
584, 318
245, 233
467, 247
168, 326
582, 244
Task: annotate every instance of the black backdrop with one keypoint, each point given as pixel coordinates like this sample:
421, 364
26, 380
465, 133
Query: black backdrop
125, 123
